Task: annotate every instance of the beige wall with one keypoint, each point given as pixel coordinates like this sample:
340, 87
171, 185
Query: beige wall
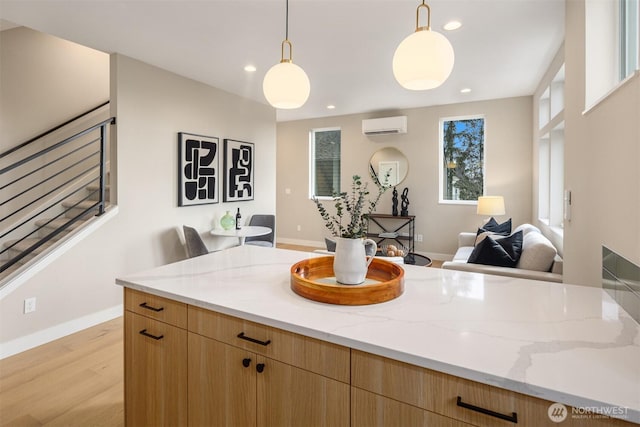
152, 106
602, 154
30, 62
508, 153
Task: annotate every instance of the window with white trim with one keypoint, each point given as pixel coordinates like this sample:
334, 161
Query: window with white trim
324, 159
461, 159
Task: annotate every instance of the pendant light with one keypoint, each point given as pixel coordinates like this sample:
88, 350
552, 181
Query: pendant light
424, 59
286, 85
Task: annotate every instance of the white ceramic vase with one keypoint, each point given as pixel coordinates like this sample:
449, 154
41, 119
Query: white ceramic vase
350, 262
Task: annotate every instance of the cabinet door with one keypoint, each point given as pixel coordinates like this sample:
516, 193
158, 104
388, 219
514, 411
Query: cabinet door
289, 396
222, 384
155, 371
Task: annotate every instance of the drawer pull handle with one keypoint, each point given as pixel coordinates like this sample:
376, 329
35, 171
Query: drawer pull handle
246, 362
242, 336
513, 417
260, 367
147, 334
148, 307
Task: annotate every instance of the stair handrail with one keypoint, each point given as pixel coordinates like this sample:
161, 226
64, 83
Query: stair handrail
53, 129
99, 205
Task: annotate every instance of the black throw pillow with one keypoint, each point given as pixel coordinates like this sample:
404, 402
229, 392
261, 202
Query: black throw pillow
501, 252
492, 225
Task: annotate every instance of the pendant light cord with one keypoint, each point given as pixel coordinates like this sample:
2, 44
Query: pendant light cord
286, 31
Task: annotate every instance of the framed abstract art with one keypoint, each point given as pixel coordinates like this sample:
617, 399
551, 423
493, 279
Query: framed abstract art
239, 164
198, 169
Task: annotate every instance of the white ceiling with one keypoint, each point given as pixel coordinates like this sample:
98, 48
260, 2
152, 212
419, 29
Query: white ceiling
345, 46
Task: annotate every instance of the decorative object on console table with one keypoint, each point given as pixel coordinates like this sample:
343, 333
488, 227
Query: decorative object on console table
198, 162
405, 202
358, 208
227, 222
394, 202
238, 171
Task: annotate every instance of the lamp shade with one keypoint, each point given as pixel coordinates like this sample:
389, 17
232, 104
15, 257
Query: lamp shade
490, 205
286, 86
423, 60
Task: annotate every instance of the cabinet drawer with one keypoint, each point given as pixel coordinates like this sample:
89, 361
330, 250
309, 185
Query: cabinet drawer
155, 307
323, 358
480, 404
371, 410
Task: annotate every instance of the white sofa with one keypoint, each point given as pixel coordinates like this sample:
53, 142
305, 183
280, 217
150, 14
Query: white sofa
539, 259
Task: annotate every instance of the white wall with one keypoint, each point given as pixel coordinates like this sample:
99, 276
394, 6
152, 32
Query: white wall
602, 154
508, 160
44, 82
152, 106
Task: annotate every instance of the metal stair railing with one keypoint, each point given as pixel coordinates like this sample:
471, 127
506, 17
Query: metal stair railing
46, 183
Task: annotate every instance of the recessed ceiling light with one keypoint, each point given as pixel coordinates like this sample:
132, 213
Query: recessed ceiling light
465, 90
452, 25
250, 68
331, 107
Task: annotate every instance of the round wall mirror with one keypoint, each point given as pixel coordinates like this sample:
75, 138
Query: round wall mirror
391, 164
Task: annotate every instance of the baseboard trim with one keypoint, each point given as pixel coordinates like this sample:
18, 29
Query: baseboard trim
36, 339
300, 242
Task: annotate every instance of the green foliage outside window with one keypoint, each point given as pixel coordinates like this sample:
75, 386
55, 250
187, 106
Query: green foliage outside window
463, 145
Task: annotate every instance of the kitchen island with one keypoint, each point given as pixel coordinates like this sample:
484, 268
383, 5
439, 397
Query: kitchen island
504, 341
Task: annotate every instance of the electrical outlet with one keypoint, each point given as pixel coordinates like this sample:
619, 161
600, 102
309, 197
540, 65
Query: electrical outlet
299, 228
419, 237
29, 305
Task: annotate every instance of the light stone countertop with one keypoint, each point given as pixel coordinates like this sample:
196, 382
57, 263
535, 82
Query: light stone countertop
563, 343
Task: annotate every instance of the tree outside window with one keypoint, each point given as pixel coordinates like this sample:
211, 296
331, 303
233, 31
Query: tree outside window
462, 142
325, 162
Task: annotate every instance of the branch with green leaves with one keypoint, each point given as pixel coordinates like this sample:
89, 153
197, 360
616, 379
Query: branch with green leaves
352, 208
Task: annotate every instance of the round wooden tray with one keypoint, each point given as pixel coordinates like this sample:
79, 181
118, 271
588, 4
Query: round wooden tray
314, 279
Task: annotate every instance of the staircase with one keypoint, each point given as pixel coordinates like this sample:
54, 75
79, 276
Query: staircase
51, 186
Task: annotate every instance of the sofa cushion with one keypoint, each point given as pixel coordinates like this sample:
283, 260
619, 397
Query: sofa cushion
492, 225
538, 253
527, 228
503, 252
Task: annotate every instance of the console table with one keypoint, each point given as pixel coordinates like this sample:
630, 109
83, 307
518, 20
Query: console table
400, 229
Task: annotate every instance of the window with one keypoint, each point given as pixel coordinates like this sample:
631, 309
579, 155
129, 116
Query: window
551, 152
629, 40
461, 159
324, 162
611, 46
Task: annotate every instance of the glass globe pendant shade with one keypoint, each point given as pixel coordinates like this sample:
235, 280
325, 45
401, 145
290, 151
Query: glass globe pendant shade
286, 86
423, 60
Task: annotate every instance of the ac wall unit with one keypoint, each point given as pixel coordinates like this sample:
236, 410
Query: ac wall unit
385, 125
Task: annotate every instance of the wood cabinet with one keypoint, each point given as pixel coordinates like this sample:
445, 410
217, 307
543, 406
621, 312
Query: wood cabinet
185, 365
155, 371
296, 386
384, 388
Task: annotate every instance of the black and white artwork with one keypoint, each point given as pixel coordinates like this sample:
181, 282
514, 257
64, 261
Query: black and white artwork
198, 169
238, 171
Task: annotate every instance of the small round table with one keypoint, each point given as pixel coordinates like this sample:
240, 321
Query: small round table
417, 259
242, 233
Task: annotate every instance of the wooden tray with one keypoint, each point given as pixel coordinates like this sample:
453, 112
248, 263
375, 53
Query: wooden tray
313, 279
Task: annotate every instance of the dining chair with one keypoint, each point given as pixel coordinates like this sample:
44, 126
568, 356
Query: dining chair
267, 240
193, 242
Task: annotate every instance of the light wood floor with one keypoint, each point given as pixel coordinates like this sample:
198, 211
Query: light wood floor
74, 381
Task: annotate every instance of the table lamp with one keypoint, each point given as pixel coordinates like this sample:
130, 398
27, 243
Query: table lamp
490, 206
